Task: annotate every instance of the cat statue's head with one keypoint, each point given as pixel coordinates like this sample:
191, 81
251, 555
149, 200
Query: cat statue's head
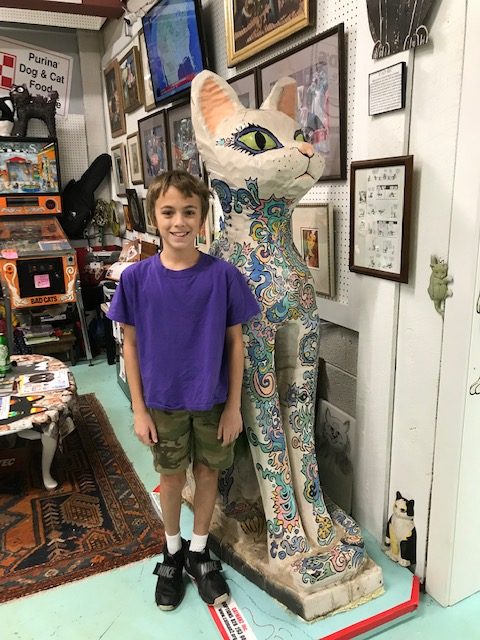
439, 267
336, 432
238, 144
403, 508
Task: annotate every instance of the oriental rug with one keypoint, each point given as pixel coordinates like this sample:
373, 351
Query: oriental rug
100, 516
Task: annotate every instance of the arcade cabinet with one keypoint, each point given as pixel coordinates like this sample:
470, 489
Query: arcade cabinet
38, 266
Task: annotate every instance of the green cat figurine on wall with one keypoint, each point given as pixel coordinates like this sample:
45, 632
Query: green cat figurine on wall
438, 287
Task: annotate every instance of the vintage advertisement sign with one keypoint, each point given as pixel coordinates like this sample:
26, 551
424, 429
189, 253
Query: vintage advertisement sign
40, 70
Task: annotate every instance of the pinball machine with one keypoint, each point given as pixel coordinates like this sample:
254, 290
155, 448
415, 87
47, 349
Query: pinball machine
38, 266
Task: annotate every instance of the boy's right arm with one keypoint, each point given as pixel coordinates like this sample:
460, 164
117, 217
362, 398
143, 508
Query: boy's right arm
142, 420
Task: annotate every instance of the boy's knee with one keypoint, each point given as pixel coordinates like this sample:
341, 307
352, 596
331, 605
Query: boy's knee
202, 472
173, 481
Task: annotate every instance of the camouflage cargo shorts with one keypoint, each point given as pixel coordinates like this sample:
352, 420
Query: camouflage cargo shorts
189, 435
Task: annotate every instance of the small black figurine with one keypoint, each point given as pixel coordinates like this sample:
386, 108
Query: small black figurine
28, 106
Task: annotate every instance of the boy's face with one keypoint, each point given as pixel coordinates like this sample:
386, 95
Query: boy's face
178, 219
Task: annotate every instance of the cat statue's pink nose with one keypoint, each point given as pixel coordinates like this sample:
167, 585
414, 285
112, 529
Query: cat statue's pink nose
306, 149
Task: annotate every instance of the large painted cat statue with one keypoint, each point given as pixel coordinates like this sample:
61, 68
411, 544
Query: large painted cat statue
272, 519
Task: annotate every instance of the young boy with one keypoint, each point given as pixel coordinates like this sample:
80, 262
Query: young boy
182, 314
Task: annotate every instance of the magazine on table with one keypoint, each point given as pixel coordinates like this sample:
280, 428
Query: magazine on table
42, 381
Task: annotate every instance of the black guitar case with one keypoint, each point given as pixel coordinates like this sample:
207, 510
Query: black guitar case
78, 202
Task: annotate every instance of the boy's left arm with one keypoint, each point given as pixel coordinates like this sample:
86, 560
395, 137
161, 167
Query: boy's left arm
230, 425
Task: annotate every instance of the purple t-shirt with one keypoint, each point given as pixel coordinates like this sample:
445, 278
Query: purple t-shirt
180, 320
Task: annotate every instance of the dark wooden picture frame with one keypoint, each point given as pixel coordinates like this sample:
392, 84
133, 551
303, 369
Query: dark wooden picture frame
116, 114
134, 160
182, 146
246, 86
137, 214
380, 217
131, 80
119, 168
153, 142
250, 31
318, 66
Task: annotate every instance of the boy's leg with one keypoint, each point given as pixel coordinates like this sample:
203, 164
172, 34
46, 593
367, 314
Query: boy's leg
209, 456
171, 502
206, 487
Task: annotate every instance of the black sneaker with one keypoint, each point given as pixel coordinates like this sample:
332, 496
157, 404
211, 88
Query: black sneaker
206, 572
170, 587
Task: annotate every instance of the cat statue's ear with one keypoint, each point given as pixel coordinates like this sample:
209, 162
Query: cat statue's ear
212, 100
283, 97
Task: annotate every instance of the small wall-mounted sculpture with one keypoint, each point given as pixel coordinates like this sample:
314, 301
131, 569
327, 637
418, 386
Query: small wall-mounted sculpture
401, 535
6, 116
397, 25
287, 536
438, 287
28, 106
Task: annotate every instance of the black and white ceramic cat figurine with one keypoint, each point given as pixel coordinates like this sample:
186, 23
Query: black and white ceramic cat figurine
401, 535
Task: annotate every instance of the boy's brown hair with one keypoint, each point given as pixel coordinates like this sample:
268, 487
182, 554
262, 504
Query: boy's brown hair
188, 186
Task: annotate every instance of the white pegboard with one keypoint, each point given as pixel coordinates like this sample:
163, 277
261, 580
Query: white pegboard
72, 144
51, 19
336, 192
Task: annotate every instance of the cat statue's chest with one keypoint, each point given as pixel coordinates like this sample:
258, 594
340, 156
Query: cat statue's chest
256, 237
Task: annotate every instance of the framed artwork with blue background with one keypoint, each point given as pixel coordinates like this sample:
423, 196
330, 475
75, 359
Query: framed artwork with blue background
174, 43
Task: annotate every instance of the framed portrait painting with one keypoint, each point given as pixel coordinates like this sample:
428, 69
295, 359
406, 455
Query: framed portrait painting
152, 135
318, 68
131, 80
134, 162
313, 235
254, 26
183, 147
116, 114
119, 167
380, 212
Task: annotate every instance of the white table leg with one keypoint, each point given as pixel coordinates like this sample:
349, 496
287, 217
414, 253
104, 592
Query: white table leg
49, 446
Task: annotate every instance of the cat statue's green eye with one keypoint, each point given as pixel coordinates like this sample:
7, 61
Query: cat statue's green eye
255, 139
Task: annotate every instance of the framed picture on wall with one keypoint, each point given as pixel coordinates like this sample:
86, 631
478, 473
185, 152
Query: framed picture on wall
380, 212
136, 210
313, 235
183, 147
245, 86
148, 97
116, 114
175, 46
128, 217
119, 167
131, 80
152, 135
318, 68
254, 26
134, 162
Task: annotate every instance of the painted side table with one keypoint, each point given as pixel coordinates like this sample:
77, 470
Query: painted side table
46, 415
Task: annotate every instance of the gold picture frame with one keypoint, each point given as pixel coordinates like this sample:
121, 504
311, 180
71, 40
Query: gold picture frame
244, 22
116, 114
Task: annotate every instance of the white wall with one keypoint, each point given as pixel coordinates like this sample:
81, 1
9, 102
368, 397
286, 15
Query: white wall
453, 567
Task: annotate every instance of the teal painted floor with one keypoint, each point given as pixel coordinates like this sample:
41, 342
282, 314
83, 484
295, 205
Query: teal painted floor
118, 605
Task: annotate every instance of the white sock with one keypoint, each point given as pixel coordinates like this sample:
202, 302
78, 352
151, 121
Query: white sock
174, 543
198, 543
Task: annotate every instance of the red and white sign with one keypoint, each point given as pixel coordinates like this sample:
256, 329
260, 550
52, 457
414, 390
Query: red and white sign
41, 70
7, 70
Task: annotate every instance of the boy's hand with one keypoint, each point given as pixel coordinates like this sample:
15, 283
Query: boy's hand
145, 428
230, 425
